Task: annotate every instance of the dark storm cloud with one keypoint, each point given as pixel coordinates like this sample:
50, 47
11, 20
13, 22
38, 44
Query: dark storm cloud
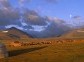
11, 16
8, 16
55, 28
52, 30
31, 17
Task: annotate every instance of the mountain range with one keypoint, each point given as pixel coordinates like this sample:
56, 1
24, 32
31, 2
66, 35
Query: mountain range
75, 33
13, 33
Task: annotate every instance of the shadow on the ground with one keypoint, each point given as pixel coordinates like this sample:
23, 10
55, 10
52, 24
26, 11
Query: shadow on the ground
18, 52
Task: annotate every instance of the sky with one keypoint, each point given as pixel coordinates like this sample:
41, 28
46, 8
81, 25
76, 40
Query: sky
53, 17
55, 8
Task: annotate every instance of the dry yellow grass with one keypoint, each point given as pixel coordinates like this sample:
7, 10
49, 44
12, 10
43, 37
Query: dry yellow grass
57, 52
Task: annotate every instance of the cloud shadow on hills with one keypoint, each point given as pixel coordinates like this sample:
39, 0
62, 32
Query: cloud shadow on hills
18, 52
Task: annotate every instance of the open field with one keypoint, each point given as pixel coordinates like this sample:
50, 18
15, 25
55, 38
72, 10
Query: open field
55, 52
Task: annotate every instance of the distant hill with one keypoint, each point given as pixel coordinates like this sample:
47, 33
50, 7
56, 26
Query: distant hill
76, 33
13, 33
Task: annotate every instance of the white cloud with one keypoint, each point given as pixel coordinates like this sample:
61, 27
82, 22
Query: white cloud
9, 26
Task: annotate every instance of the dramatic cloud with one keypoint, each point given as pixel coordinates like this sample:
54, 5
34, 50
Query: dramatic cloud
8, 16
31, 17
54, 28
30, 21
12, 16
55, 20
9, 26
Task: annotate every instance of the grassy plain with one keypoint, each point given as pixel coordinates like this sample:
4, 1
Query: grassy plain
56, 52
